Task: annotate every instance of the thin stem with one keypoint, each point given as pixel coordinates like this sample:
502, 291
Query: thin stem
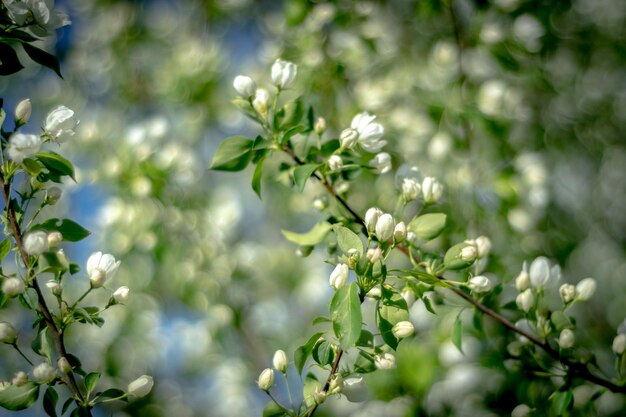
81, 298
16, 347
55, 333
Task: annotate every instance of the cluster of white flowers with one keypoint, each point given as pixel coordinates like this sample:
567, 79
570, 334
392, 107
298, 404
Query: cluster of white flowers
384, 226
37, 14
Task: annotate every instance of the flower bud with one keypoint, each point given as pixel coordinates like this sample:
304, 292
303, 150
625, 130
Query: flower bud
64, 365
469, 253
63, 259
261, 101
141, 386
619, 344
97, 278
8, 334
410, 189
566, 339
354, 389
60, 123
20, 379
245, 86
348, 138
320, 126
53, 195
432, 190
336, 384
521, 410
385, 227
585, 289
371, 218
375, 293
525, 300
280, 361
381, 163
409, 296
339, 276
479, 284
266, 379
522, 282
121, 294
54, 287
13, 286
320, 203
54, 239
44, 373
567, 292
399, 232
483, 244
22, 112
374, 255
319, 395
335, 163
36, 243
385, 361
402, 329
283, 73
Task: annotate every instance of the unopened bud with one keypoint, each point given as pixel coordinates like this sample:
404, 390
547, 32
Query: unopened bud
585, 289
525, 300
399, 232
261, 101
141, 386
374, 255
54, 239
121, 294
8, 334
522, 282
483, 245
402, 329
20, 378
567, 292
280, 361
64, 365
245, 86
566, 339
385, 227
371, 218
335, 163
13, 286
320, 126
339, 276
53, 195
336, 384
469, 253
619, 344
348, 138
385, 361
22, 112
54, 287
266, 379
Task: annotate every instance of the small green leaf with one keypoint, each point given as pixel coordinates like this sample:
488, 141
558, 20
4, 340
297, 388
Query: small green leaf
302, 173
452, 260
391, 309
71, 231
323, 352
347, 239
427, 226
366, 339
310, 238
292, 132
50, 399
561, 401
320, 319
273, 410
423, 276
290, 115
302, 353
56, 164
256, 177
32, 167
66, 405
457, 334
10, 63
91, 379
19, 397
233, 154
74, 268
42, 57
5, 247
345, 312
364, 363
42, 344
560, 320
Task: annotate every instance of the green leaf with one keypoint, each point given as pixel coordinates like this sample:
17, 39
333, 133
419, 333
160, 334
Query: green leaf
457, 334
56, 164
364, 363
91, 379
302, 353
366, 339
256, 177
347, 239
323, 352
427, 226
66, 405
42, 344
50, 399
19, 398
71, 231
302, 173
345, 312
292, 132
10, 63
5, 247
32, 166
273, 410
310, 238
42, 57
423, 276
560, 320
452, 260
18, 35
74, 268
290, 115
320, 319
391, 309
233, 154
111, 393
561, 401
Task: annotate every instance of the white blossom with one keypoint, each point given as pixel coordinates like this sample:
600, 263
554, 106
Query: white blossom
22, 146
36, 243
385, 361
280, 361
567, 292
284, 73
410, 188
101, 267
19, 379
399, 232
374, 254
13, 286
541, 274
566, 339
585, 289
60, 123
432, 190
261, 101
44, 373
479, 284
403, 329
266, 379
245, 86
8, 334
23, 111
348, 138
370, 133
339, 276
141, 386
525, 300
385, 227
335, 163
619, 344
121, 294
371, 218
381, 163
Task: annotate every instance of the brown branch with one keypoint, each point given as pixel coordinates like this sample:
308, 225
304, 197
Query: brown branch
55, 333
